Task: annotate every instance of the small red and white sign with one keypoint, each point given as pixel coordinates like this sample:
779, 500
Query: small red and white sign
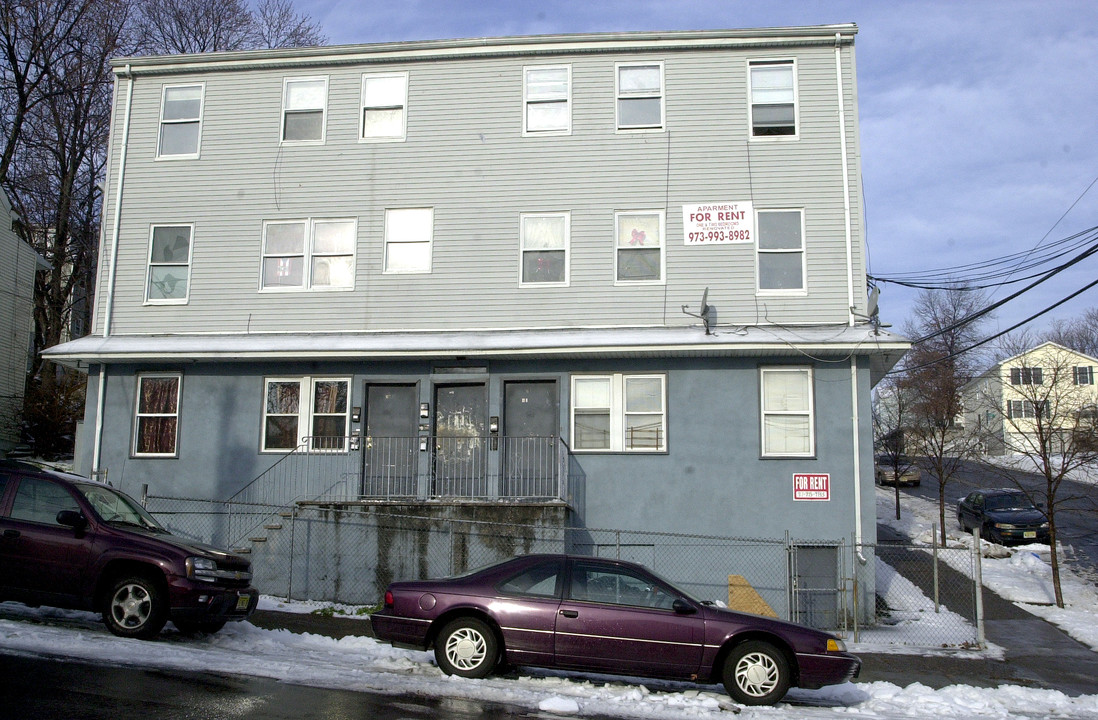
811, 486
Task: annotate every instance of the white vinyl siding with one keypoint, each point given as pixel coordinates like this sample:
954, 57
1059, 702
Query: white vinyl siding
309, 254
304, 410
619, 413
639, 247
544, 242
304, 107
780, 246
169, 274
788, 416
156, 415
384, 107
547, 100
180, 121
408, 238
639, 96
773, 104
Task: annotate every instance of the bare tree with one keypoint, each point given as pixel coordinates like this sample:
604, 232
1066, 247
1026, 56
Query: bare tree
939, 363
197, 26
890, 421
278, 25
1045, 408
1079, 334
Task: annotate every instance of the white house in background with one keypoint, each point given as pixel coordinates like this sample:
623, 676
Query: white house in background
1048, 388
18, 265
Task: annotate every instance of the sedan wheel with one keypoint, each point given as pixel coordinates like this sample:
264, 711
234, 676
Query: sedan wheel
756, 673
466, 647
135, 608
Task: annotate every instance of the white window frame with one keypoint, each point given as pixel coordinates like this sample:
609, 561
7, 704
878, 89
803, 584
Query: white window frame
137, 414
149, 265
308, 253
1082, 374
523, 217
429, 242
662, 279
160, 155
619, 96
527, 101
618, 412
323, 111
402, 136
759, 252
763, 62
810, 412
305, 414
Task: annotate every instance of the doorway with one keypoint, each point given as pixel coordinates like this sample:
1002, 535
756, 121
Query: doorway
390, 453
531, 438
461, 440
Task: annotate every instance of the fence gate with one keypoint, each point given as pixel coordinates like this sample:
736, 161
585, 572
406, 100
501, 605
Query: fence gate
815, 583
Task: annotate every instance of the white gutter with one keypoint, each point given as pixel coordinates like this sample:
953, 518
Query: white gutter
846, 177
108, 311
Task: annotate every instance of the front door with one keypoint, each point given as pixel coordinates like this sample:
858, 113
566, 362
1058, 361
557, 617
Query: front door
461, 440
391, 450
530, 439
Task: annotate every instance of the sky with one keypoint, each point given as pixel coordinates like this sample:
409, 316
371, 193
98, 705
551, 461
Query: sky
978, 118
361, 663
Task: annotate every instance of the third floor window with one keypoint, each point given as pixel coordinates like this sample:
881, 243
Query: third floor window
547, 99
640, 96
304, 103
180, 121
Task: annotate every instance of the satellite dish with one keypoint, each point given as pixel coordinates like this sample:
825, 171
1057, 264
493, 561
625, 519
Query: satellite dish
871, 307
705, 311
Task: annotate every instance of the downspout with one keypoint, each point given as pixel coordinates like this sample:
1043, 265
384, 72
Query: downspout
855, 422
101, 392
846, 179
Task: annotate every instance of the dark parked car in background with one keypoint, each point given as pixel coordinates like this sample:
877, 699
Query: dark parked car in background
1004, 516
69, 542
609, 616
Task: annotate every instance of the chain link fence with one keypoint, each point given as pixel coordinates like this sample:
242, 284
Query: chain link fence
898, 594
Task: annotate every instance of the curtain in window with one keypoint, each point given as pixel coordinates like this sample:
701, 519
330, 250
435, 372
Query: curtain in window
157, 415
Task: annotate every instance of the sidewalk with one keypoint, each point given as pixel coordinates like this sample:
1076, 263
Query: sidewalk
1038, 654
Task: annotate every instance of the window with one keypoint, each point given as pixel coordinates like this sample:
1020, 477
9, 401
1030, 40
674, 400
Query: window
544, 248
384, 99
408, 234
317, 254
640, 96
547, 98
39, 501
619, 413
616, 586
787, 413
1023, 409
169, 273
180, 121
312, 410
304, 101
537, 581
1026, 376
156, 422
1083, 375
638, 253
773, 98
780, 235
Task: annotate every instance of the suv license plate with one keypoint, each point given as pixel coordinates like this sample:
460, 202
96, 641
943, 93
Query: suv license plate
242, 602
1029, 534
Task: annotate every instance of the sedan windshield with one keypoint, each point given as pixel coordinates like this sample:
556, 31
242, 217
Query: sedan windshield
1009, 502
114, 507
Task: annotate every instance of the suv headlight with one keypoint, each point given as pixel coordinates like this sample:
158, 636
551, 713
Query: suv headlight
1004, 526
203, 569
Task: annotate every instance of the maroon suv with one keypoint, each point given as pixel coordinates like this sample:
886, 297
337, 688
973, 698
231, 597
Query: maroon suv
69, 542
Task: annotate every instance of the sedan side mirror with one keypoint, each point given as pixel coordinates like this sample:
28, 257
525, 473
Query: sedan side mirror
681, 607
73, 519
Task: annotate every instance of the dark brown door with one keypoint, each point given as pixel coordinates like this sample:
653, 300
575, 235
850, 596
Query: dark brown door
530, 439
461, 440
391, 447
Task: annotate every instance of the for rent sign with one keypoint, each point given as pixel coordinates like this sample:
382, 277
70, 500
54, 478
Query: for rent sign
811, 486
711, 223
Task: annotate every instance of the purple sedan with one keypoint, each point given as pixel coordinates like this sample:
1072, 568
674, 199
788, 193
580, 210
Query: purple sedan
598, 615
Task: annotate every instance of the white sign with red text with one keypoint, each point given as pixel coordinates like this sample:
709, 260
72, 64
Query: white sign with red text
714, 223
811, 486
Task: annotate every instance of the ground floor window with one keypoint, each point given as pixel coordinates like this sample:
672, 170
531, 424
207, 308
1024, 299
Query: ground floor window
306, 410
619, 412
156, 417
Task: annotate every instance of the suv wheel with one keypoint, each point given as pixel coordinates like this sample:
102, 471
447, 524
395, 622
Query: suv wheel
135, 607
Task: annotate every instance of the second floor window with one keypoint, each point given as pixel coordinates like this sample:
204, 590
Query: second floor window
384, 100
547, 93
156, 420
1083, 375
169, 264
408, 238
180, 121
313, 254
1027, 376
638, 251
780, 236
640, 96
773, 98
544, 248
1026, 409
304, 102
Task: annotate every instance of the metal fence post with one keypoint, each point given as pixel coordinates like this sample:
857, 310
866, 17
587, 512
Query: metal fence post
854, 579
981, 638
934, 545
617, 543
290, 576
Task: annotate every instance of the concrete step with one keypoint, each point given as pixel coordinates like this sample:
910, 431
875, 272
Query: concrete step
273, 526
258, 539
242, 550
